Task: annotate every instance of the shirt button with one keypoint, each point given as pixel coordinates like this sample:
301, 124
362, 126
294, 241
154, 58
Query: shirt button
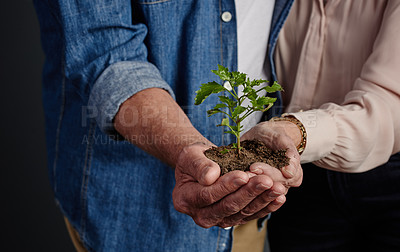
227, 85
226, 16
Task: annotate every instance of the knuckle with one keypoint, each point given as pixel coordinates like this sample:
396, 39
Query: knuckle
198, 163
276, 138
287, 184
180, 205
297, 183
261, 214
253, 192
249, 210
230, 207
206, 197
281, 200
231, 221
204, 222
255, 206
179, 202
265, 199
275, 205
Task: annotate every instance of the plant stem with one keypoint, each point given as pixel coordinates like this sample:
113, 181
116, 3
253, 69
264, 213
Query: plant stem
238, 140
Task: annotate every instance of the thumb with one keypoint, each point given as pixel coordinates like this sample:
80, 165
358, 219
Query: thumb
194, 163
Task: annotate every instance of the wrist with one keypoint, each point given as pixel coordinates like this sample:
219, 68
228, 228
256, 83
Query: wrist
154, 122
296, 130
183, 141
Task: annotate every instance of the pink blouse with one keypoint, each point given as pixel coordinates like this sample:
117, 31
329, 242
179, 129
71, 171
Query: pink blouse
339, 64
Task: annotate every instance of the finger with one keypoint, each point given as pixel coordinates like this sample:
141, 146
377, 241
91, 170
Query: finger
296, 173
271, 203
265, 169
291, 170
272, 207
225, 185
264, 199
278, 175
235, 202
257, 204
248, 135
198, 196
254, 207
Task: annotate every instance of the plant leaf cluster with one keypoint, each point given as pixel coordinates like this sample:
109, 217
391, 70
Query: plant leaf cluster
232, 106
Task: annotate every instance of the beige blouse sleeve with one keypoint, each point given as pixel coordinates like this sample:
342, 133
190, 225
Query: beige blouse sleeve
363, 131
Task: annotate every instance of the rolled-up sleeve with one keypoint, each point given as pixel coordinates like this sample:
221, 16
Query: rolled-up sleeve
103, 53
118, 83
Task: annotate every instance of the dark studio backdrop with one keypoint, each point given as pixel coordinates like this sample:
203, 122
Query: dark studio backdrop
31, 220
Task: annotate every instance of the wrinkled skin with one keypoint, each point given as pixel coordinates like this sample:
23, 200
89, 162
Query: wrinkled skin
237, 197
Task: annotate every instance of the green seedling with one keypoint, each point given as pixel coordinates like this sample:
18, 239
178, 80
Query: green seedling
231, 106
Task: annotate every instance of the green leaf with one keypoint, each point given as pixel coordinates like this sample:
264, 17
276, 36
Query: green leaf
220, 105
260, 102
206, 90
256, 107
274, 88
230, 132
213, 111
231, 103
238, 110
254, 83
235, 128
247, 90
222, 72
216, 109
265, 100
235, 145
238, 78
225, 122
224, 151
252, 95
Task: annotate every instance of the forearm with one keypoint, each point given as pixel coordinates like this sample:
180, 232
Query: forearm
154, 122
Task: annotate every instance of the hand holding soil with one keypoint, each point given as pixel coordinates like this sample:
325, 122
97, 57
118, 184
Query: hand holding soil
214, 200
279, 135
218, 195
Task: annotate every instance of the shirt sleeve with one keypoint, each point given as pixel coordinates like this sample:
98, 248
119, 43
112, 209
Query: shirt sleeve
364, 131
102, 51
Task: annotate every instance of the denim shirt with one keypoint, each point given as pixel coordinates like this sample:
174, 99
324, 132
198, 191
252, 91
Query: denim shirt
98, 54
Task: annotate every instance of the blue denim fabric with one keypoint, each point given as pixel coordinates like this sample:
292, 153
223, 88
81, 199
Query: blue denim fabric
98, 54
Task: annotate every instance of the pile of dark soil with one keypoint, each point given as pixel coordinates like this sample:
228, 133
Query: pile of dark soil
252, 151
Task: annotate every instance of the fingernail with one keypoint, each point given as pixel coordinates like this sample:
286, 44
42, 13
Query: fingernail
256, 171
261, 187
288, 171
239, 182
275, 194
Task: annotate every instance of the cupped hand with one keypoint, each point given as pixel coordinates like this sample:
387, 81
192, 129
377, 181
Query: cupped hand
211, 200
278, 135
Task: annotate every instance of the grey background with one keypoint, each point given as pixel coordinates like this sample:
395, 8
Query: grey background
32, 220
